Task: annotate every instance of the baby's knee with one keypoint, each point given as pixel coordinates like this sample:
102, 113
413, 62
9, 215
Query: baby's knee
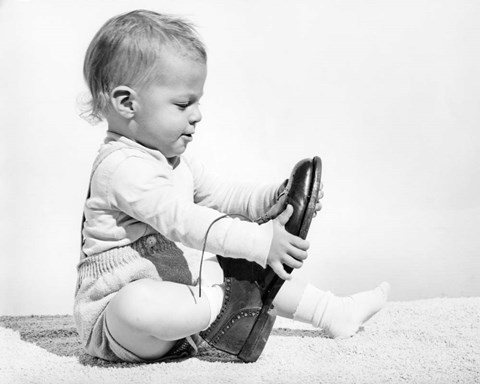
133, 324
131, 308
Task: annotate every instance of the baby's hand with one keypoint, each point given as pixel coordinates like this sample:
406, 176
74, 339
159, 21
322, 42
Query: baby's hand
286, 248
278, 207
318, 205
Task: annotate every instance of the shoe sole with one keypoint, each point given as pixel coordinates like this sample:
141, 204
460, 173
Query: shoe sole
256, 340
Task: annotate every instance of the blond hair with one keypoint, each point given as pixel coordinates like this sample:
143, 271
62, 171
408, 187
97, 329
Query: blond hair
127, 51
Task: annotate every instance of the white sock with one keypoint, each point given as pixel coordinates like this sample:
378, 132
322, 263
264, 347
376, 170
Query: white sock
340, 317
214, 294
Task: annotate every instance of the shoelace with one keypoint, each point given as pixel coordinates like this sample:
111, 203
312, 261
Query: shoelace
263, 219
192, 343
205, 243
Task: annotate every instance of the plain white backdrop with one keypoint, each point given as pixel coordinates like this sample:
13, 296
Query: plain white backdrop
387, 93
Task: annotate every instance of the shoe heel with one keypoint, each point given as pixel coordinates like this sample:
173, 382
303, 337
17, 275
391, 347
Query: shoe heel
257, 339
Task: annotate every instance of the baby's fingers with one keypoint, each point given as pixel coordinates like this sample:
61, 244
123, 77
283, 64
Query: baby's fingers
280, 271
299, 243
318, 205
292, 262
297, 254
320, 192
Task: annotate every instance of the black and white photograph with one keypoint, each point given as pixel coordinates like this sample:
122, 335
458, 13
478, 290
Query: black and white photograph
242, 191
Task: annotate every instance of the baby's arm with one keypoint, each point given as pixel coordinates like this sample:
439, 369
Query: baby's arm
246, 198
144, 191
254, 201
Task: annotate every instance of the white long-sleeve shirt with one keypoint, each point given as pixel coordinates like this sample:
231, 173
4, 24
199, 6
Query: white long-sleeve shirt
135, 192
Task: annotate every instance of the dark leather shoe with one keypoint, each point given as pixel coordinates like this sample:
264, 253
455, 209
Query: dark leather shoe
247, 316
302, 193
302, 190
231, 331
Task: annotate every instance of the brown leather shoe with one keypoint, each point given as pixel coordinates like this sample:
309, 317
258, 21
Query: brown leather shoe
247, 316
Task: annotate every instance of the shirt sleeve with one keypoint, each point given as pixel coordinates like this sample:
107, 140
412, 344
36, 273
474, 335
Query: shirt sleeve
144, 190
246, 198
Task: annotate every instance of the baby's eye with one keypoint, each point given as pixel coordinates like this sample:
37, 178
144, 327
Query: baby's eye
182, 106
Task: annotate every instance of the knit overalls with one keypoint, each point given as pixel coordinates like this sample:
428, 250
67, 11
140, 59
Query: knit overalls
102, 275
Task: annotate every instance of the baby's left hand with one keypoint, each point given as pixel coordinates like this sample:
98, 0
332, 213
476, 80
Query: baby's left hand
282, 187
318, 206
279, 206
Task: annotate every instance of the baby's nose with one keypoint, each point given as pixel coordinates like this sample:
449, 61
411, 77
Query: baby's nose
195, 116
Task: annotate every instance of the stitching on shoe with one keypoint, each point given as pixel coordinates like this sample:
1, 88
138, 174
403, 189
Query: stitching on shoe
238, 316
226, 300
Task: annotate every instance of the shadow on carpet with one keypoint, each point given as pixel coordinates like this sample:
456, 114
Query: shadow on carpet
58, 335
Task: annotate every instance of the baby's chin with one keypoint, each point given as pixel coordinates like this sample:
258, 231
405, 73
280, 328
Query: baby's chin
178, 151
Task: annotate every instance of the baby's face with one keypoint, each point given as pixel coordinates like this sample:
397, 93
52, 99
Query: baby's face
169, 109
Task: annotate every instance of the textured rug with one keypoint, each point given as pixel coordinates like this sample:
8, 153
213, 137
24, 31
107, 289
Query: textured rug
425, 341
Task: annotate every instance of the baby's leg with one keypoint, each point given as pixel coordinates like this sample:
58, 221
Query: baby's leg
338, 316
147, 316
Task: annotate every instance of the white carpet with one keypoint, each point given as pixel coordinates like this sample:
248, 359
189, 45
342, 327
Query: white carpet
426, 341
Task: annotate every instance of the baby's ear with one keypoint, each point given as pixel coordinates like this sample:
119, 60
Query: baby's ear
124, 101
